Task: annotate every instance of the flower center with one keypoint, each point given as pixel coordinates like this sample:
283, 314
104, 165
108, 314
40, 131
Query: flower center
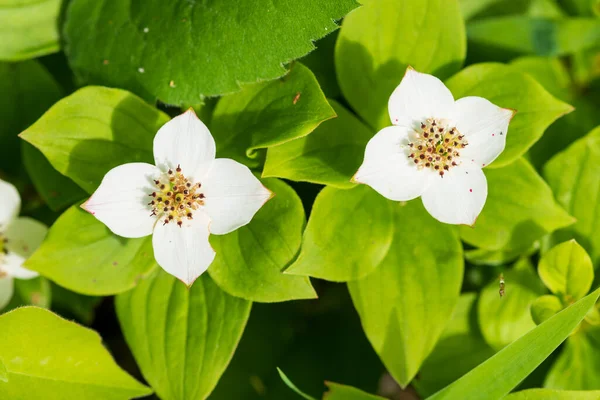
3, 252
176, 197
436, 146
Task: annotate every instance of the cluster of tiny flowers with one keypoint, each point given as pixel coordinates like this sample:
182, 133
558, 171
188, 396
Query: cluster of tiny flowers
3, 252
176, 197
436, 146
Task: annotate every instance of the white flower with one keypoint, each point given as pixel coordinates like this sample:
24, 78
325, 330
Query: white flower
436, 149
180, 201
19, 238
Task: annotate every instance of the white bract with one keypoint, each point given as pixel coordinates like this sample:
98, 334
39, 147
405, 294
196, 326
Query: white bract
19, 238
181, 200
436, 149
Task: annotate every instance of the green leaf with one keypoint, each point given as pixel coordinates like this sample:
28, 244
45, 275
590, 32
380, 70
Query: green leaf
36, 292
461, 345
520, 209
250, 260
50, 358
574, 176
57, 190
549, 394
93, 130
268, 114
291, 385
348, 235
533, 35
321, 62
578, 366
379, 40
221, 40
551, 73
545, 307
28, 28
3, 372
74, 305
507, 318
406, 302
507, 87
27, 91
182, 339
330, 155
506, 369
567, 270
470, 8
343, 392
81, 254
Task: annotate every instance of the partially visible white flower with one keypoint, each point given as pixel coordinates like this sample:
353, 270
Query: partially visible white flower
436, 149
182, 200
19, 238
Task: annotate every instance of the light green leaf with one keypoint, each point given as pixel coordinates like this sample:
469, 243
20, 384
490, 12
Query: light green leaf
182, 339
343, 392
578, 366
269, 114
291, 385
545, 307
549, 394
379, 40
50, 358
330, 155
348, 235
250, 260
520, 209
498, 257
505, 319
405, 303
93, 130
461, 345
567, 270
574, 176
3, 372
81, 254
28, 28
533, 35
507, 87
221, 40
506, 369
35, 291
551, 73
321, 62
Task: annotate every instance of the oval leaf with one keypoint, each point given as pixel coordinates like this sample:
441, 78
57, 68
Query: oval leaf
250, 260
505, 86
545, 307
379, 40
222, 41
507, 318
182, 339
520, 209
93, 130
28, 29
567, 270
330, 155
574, 176
405, 303
81, 254
47, 357
268, 114
348, 234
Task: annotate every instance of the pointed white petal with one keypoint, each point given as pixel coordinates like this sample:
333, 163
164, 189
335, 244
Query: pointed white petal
459, 196
418, 97
10, 203
24, 236
121, 200
6, 290
387, 168
233, 195
484, 125
185, 251
187, 142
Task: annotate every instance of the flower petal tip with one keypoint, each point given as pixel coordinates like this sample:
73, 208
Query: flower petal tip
85, 207
192, 111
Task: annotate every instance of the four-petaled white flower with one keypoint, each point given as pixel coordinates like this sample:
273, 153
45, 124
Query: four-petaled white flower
180, 201
436, 149
19, 238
